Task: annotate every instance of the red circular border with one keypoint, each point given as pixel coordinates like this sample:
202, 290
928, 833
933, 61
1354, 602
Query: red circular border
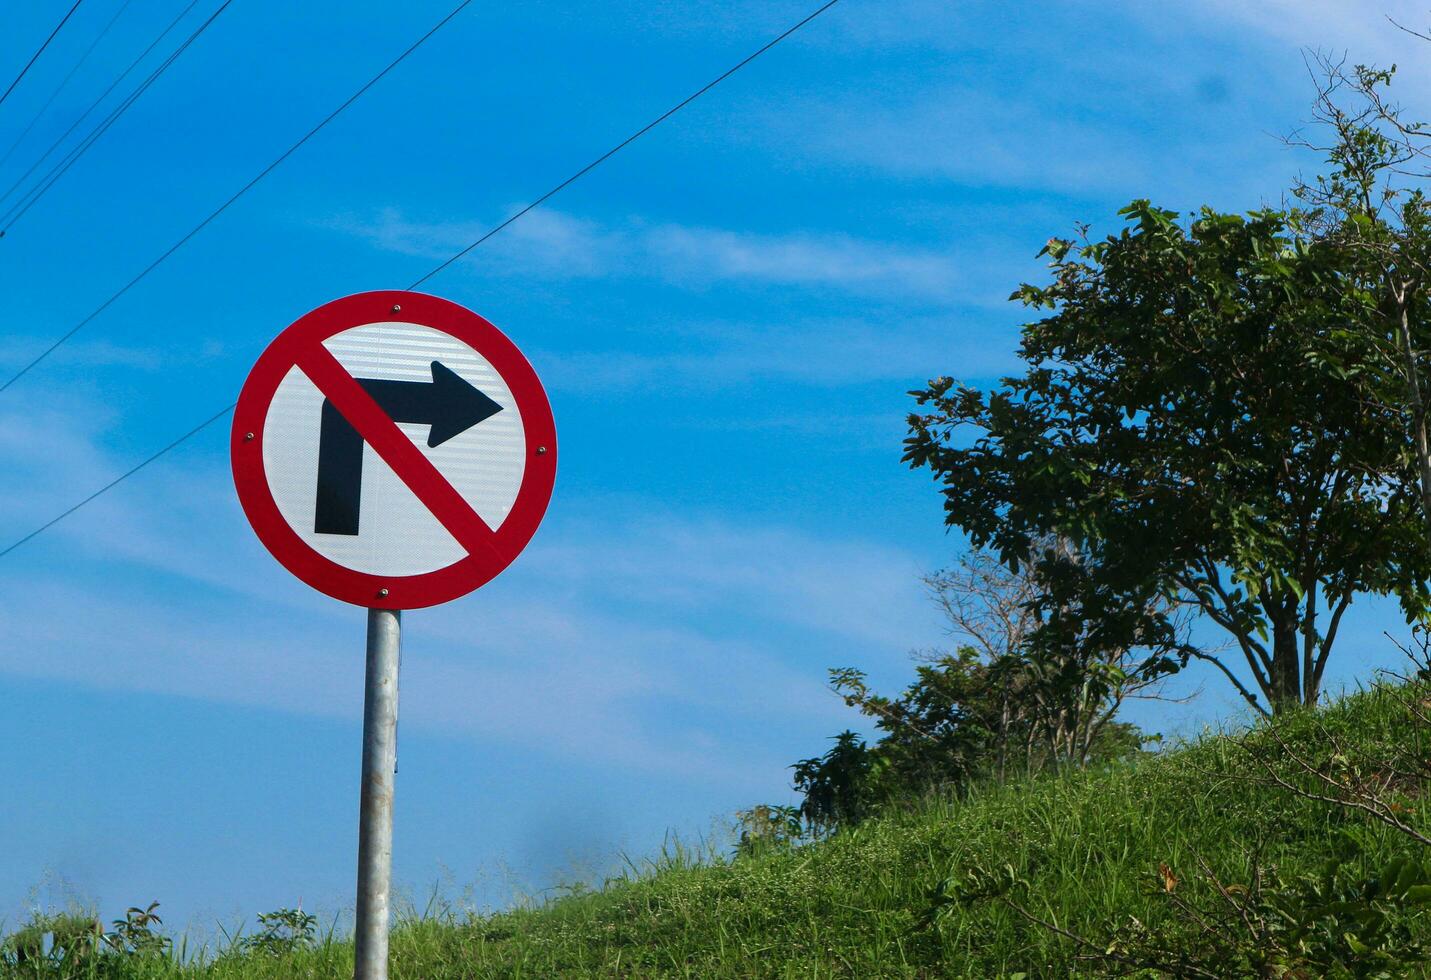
361, 588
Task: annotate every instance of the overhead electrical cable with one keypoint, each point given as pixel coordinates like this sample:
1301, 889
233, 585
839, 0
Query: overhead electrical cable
60, 169
624, 143
103, 32
119, 479
234, 197
41, 50
494, 230
96, 103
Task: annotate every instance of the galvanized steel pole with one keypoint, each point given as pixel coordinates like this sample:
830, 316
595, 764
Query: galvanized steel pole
375, 820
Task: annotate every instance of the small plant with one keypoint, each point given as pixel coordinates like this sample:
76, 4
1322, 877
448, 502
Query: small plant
840, 786
73, 941
281, 933
134, 934
765, 827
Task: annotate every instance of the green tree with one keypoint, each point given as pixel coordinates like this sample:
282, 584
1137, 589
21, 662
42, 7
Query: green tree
838, 787
1032, 671
1372, 206
1027, 689
1192, 416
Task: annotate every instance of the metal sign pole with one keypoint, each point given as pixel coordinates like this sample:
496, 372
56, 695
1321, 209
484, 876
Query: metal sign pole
375, 820
453, 372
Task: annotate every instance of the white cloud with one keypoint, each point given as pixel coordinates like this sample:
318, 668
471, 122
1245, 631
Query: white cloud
16, 352
1171, 101
838, 261
1365, 32
556, 245
1354, 25
586, 699
849, 591
563, 662
894, 341
43, 477
899, 349
678, 644
1104, 138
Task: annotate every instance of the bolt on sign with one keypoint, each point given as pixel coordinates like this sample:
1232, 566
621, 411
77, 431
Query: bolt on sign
395, 451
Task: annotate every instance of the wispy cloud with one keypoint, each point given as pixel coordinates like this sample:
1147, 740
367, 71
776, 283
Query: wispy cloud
838, 261
561, 663
1141, 110
1048, 139
16, 352
895, 338
848, 591
1365, 29
86, 364
584, 701
660, 642
1375, 32
556, 245
901, 349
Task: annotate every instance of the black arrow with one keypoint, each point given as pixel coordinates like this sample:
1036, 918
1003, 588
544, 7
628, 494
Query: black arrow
447, 403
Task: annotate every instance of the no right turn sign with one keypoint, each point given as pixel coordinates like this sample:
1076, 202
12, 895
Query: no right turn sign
393, 450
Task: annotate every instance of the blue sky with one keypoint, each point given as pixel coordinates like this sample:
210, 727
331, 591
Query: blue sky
727, 317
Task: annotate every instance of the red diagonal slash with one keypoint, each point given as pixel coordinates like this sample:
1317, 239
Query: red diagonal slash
396, 449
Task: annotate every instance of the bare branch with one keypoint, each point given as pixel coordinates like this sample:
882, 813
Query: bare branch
1247, 695
1102, 953
1343, 793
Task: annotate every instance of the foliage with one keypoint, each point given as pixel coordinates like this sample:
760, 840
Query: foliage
74, 946
1176, 420
1335, 923
135, 935
1372, 207
839, 787
1030, 691
1053, 685
280, 933
764, 828
1343, 924
952, 726
55, 945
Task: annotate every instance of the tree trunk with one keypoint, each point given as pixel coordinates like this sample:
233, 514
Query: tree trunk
1285, 679
1003, 735
1418, 404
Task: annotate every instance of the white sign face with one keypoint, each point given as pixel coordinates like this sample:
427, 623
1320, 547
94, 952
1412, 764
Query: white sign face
395, 533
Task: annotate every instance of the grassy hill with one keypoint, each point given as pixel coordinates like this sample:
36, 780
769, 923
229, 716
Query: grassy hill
1162, 853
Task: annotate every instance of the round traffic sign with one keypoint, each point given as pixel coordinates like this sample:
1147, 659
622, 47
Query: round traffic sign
393, 450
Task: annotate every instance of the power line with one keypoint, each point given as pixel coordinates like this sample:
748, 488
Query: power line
38, 191
555, 190
121, 478
237, 194
41, 50
103, 33
96, 103
626, 142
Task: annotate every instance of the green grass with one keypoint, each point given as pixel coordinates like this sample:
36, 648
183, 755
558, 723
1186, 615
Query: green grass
1086, 847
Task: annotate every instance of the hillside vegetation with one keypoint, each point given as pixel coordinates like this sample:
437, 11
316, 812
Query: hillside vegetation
1163, 853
